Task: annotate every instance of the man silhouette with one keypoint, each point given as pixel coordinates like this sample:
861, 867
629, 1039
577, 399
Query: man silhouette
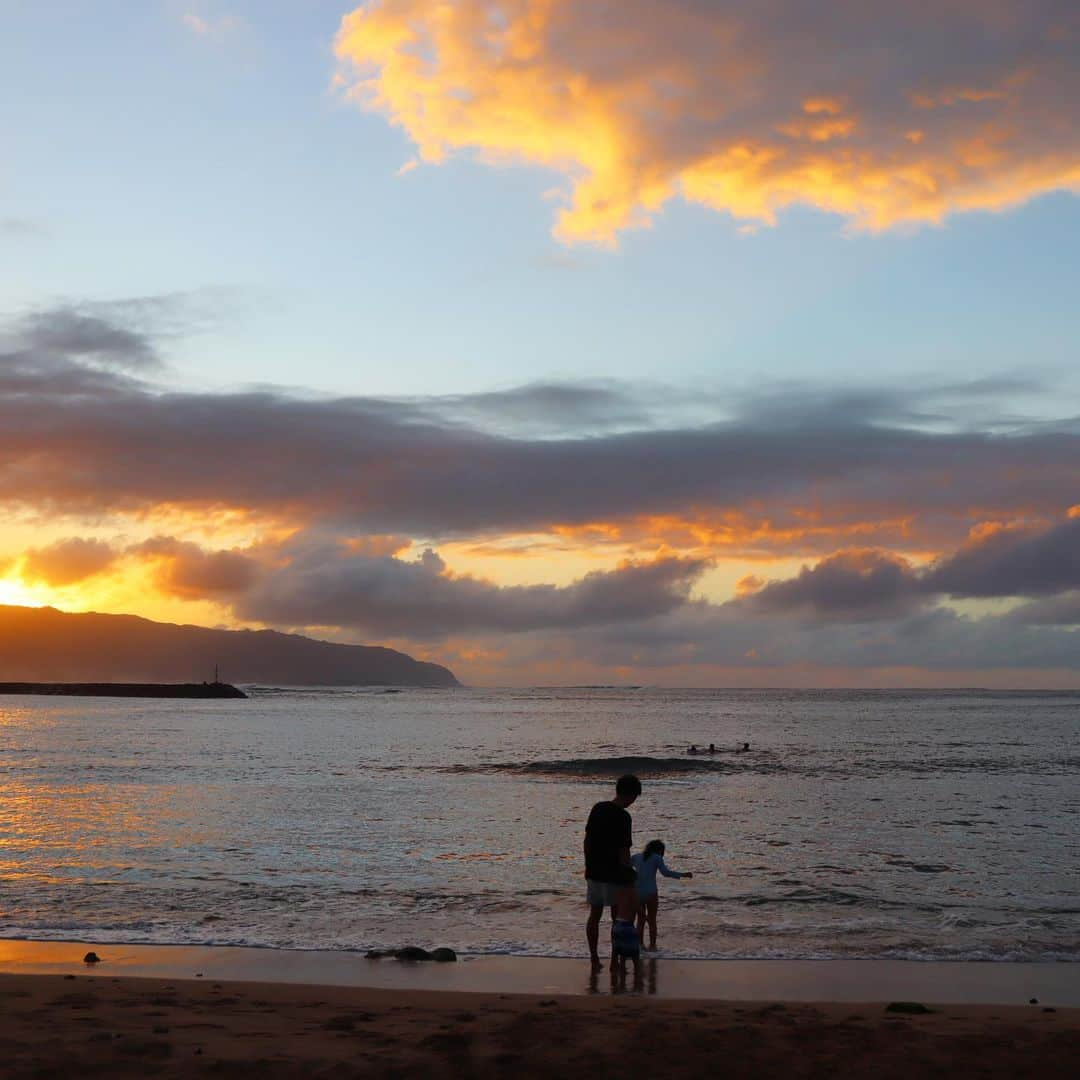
608, 840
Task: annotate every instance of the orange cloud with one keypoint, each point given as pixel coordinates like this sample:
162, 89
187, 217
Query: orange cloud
882, 115
67, 561
767, 534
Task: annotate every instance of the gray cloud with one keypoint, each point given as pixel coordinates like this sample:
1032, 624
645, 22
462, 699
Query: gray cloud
326, 584
81, 334
850, 585
1063, 610
1012, 563
708, 636
78, 437
864, 585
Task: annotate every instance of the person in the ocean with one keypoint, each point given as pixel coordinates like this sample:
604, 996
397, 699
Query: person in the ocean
608, 841
647, 864
693, 749
742, 749
712, 748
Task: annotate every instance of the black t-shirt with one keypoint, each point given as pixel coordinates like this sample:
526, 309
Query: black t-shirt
607, 832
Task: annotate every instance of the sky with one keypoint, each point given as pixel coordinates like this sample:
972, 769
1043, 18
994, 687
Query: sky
666, 342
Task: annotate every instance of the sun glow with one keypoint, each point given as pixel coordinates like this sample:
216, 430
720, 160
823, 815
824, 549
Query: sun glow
19, 594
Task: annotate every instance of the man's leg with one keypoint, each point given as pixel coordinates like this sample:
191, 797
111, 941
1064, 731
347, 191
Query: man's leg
592, 931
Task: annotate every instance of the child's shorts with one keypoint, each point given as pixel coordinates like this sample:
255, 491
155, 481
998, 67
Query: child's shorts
624, 940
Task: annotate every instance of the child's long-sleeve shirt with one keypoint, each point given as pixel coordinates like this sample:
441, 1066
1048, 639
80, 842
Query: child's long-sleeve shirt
647, 869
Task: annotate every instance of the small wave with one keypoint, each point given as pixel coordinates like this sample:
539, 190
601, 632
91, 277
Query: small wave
604, 767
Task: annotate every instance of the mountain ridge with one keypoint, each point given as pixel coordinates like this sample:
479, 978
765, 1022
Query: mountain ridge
48, 645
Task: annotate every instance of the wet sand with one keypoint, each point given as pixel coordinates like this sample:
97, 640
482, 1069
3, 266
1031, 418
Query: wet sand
101, 1025
959, 982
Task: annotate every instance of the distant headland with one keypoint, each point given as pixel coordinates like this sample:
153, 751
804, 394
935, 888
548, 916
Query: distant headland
43, 645
117, 689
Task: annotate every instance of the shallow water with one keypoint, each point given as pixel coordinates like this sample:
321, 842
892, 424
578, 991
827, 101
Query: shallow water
860, 824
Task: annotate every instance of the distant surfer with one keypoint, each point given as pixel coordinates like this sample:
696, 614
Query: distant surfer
693, 749
742, 749
712, 748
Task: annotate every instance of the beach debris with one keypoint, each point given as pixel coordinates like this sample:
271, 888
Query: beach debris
912, 1008
1049, 1009
91, 958
1033, 1001
412, 953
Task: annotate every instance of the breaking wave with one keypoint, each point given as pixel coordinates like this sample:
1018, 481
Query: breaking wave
607, 767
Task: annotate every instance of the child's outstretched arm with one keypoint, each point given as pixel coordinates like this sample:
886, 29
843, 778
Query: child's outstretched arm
667, 872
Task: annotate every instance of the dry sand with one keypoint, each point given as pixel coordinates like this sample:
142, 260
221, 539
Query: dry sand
102, 1025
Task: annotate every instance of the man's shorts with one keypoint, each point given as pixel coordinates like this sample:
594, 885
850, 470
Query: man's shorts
600, 893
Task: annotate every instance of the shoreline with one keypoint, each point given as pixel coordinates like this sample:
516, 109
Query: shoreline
1052, 983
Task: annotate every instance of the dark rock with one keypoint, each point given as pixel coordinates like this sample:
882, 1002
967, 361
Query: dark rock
91, 958
412, 952
69, 976
912, 1008
1049, 1009
1033, 1001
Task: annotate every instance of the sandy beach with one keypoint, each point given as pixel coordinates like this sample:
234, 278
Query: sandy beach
179, 1011
97, 1025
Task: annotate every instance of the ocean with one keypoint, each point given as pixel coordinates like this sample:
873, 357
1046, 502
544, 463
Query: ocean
921, 825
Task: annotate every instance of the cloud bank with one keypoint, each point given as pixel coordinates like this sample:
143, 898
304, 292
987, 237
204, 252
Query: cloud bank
884, 114
85, 429
899, 511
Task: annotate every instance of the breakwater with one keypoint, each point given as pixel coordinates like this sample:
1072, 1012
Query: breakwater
126, 690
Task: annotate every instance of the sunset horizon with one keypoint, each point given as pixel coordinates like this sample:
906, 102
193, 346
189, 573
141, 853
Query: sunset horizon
541, 538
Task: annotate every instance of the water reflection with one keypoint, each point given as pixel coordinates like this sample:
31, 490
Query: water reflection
639, 979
